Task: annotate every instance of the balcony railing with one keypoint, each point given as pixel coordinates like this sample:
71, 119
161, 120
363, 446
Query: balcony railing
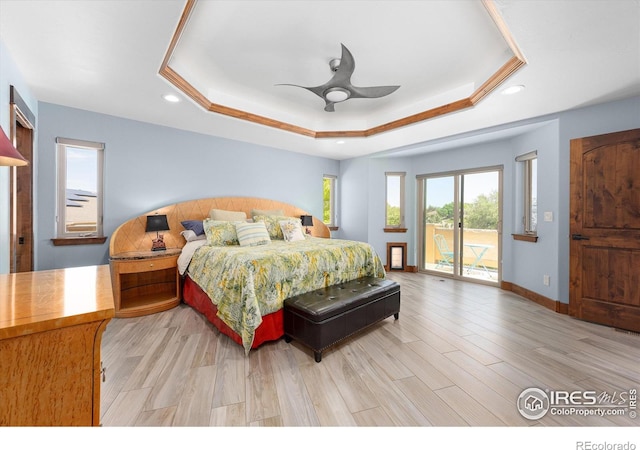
486, 267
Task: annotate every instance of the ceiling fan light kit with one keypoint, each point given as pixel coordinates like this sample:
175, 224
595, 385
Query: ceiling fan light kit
339, 87
336, 94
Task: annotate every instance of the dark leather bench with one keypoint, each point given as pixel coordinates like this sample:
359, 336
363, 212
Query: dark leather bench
321, 318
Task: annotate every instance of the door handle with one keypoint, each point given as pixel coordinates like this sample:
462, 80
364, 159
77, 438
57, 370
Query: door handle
579, 237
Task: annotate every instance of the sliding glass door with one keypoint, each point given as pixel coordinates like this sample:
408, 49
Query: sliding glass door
440, 245
460, 225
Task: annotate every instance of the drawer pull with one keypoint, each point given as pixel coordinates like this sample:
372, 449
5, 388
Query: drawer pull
151, 265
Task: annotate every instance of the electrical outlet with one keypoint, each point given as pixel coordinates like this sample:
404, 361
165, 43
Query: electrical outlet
546, 280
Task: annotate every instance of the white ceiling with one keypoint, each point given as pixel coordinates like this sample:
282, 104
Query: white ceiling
105, 56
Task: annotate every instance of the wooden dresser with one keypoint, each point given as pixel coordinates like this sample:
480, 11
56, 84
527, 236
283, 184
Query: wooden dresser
51, 325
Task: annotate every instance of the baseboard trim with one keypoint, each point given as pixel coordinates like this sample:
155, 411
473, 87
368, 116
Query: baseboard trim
412, 269
553, 305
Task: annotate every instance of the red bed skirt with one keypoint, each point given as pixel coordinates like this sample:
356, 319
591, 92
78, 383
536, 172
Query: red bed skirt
271, 328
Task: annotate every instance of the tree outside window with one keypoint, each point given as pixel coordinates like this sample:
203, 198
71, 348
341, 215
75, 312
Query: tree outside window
394, 210
328, 200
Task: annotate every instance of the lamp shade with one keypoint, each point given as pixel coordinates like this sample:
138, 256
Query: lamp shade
9, 156
307, 221
157, 222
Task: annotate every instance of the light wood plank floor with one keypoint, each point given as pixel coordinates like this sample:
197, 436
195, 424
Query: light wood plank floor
460, 355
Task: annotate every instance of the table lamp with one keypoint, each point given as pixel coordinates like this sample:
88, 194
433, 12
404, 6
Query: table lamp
157, 223
307, 221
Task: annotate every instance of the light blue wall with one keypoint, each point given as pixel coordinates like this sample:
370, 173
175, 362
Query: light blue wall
528, 262
524, 263
148, 166
9, 76
353, 208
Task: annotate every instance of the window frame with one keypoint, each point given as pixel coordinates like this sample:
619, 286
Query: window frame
528, 160
333, 181
62, 144
401, 226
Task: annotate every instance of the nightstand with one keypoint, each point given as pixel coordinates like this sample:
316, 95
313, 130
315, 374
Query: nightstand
145, 282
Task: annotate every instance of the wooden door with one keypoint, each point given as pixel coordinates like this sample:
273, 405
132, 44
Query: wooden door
605, 229
21, 182
22, 196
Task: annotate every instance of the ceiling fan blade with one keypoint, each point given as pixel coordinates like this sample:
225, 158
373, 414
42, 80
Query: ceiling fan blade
372, 92
318, 90
346, 60
347, 65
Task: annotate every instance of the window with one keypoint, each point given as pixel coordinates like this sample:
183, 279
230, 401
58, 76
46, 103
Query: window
530, 191
394, 210
79, 188
329, 200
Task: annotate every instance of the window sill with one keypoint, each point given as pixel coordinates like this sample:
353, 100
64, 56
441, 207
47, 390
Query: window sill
79, 241
525, 237
333, 228
395, 230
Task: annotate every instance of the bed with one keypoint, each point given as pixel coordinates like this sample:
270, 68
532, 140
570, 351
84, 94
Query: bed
240, 289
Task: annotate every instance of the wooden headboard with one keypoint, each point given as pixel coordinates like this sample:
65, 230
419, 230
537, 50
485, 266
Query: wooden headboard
131, 236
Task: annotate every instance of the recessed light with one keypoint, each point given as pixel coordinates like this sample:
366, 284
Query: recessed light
513, 89
340, 142
171, 98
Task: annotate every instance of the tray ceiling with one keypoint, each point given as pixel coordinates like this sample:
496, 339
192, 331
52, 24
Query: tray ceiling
224, 59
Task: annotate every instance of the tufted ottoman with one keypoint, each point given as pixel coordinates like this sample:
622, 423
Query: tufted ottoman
321, 318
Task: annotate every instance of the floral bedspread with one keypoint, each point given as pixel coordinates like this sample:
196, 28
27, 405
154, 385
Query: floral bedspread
246, 283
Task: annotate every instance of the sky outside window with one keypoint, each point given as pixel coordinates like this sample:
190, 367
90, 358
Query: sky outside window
82, 169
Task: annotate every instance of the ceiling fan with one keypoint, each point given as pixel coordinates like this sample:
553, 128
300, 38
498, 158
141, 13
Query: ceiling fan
339, 87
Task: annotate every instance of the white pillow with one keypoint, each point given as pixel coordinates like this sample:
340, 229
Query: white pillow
267, 212
190, 236
187, 253
232, 216
252, 234
291, 230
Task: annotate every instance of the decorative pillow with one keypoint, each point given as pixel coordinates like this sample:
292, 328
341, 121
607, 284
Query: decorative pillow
273, 225
292, 230
190, 236
220, 214
252, 234
194, 225
220, 233
267, 212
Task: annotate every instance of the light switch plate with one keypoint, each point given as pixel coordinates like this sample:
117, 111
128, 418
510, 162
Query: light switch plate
548, 216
